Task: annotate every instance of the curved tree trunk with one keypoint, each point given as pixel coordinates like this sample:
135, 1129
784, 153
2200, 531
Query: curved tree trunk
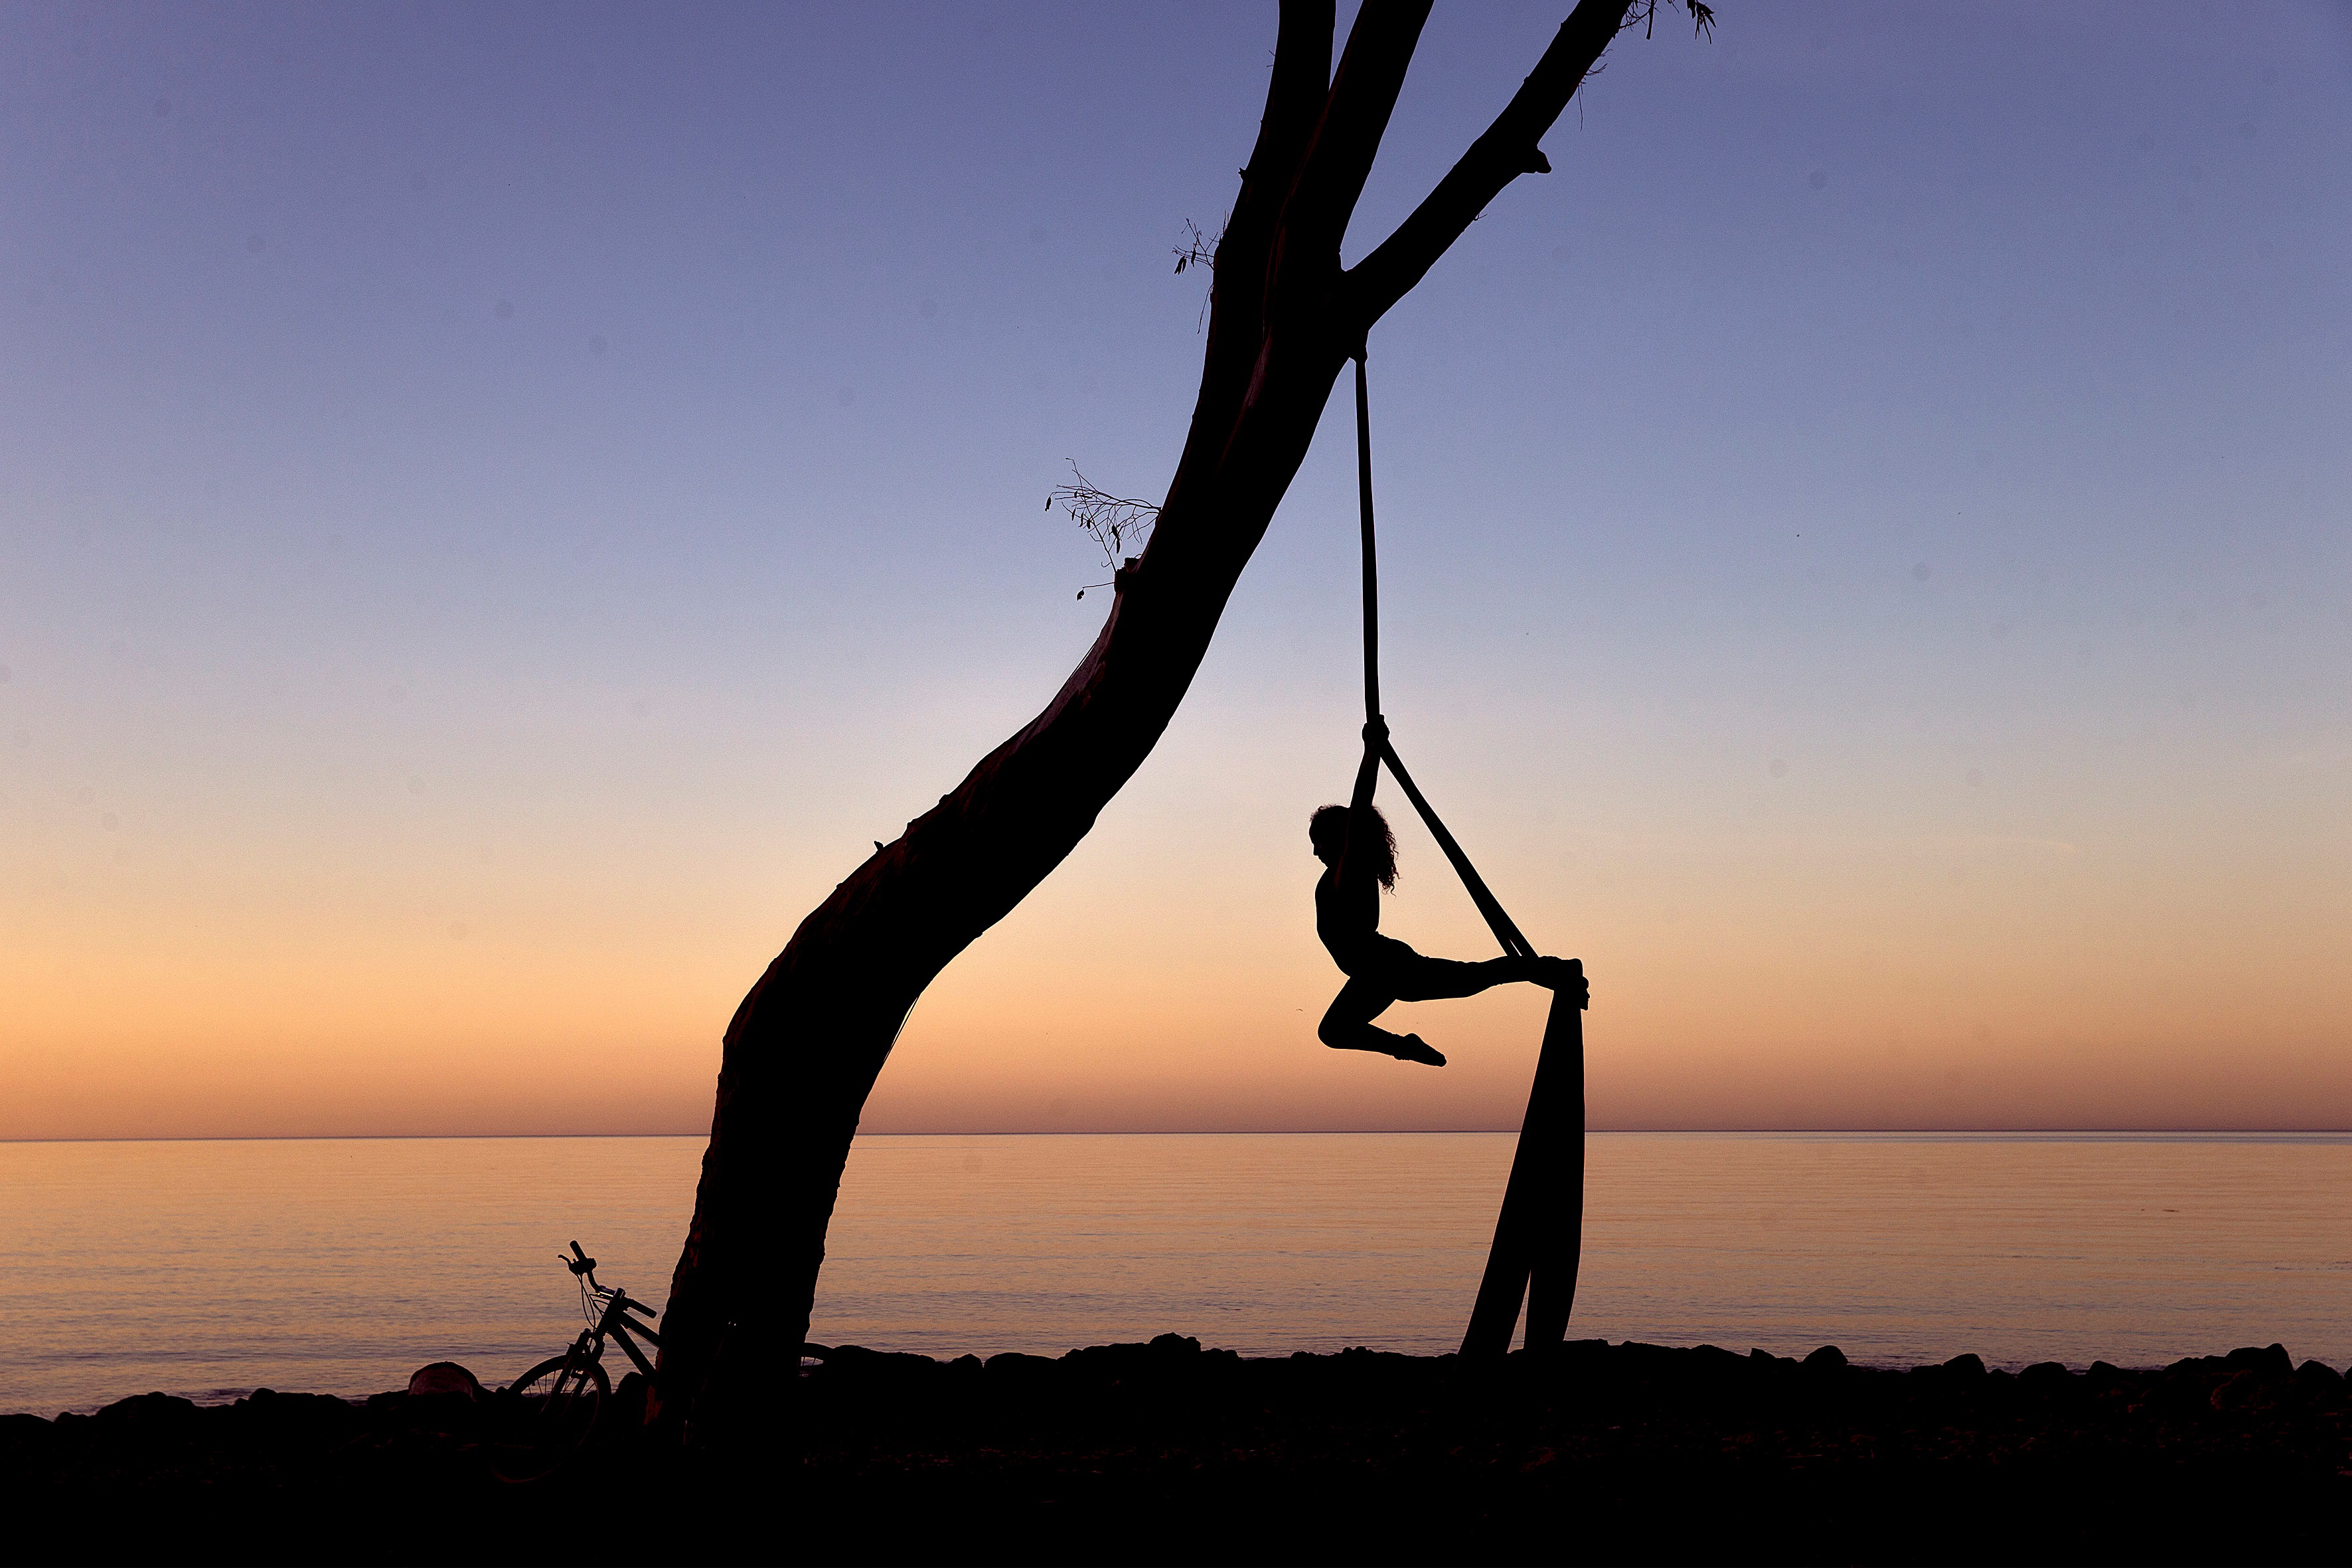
806, 1044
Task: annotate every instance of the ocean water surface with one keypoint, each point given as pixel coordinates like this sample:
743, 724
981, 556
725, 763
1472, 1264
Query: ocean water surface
208, 1268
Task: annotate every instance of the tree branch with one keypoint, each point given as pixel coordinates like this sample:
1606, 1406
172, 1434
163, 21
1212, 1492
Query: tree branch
1355, 117
1241, 269
1295, 94
1508, 150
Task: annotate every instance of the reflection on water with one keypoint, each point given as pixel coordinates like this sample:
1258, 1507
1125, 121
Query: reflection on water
1898, 1247
340, 1265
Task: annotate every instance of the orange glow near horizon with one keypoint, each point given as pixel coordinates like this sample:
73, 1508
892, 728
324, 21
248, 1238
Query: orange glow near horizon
2007, 983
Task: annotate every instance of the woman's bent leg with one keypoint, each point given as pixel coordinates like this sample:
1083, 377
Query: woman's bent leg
1437, 979
1348, 1022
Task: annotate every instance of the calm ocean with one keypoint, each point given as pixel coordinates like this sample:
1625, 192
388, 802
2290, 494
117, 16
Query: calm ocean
209, 1269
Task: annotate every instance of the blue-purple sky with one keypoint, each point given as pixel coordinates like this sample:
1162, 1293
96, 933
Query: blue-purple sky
499, 505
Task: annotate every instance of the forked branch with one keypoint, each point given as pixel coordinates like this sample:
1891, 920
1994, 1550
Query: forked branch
1355, 117
1507, 150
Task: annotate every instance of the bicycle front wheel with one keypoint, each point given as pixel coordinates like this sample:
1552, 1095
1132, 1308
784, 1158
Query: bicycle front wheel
553, 1409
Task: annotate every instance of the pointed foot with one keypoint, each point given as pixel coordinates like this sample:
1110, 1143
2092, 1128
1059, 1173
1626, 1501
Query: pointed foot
1416, 1049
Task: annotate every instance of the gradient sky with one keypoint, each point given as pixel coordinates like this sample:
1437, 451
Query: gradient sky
500, 505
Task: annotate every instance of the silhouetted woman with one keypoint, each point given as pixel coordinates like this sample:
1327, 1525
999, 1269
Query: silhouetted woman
1355, 843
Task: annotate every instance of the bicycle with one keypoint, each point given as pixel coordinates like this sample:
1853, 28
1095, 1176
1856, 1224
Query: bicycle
562, 1396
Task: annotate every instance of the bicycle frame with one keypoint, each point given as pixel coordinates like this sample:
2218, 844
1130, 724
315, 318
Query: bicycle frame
615, 1324
612, 1322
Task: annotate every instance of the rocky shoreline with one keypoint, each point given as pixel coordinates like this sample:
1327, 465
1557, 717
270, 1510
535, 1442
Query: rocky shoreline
1166, 1452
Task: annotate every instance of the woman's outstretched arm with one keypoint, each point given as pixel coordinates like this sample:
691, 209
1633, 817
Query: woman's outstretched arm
1368, 778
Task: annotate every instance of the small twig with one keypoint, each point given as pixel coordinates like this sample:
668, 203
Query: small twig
1646, 13
1116, 523
1199, 251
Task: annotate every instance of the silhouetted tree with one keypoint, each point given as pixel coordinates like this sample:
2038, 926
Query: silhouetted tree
1284, 317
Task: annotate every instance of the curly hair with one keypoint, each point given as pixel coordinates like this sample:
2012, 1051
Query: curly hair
1380, 847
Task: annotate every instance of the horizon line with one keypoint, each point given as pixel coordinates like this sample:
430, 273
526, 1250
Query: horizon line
1232, 1133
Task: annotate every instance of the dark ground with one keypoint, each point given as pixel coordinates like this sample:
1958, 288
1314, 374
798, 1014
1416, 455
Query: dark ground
1165, 1453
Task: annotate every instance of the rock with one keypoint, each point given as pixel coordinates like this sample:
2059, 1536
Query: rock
2270, 1361
887, 1368
627, 1411
2240, 1391
1568, 1356
2045, 1375
22, 1432
294, 1417
1967, 1365
149, 1413
444, 1378
2321, 1385
2317, 1375
2185, 1388
1169, 1353
1010, 1379
1714, 1361
2105, 1376
1829, 1358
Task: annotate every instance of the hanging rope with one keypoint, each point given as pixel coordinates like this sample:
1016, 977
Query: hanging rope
1371, 551
1504, 930
1537, 1235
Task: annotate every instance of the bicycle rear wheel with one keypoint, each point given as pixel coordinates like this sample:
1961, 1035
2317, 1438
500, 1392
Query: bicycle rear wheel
551, 1410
